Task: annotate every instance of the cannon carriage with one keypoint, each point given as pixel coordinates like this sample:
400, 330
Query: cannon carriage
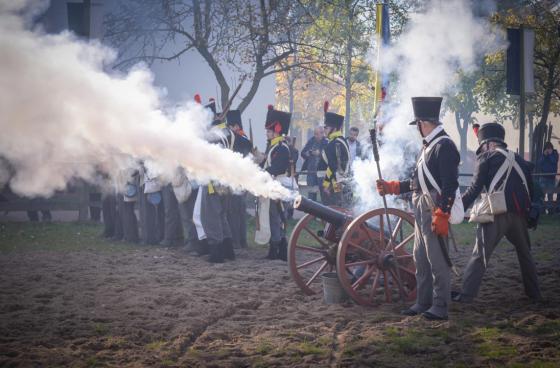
373, 264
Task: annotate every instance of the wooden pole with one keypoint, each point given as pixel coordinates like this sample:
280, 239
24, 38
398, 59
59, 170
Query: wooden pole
522, 97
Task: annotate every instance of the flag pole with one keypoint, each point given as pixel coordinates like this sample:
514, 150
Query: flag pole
373, 135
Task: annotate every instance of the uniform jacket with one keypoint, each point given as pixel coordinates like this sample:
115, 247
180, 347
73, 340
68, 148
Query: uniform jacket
277, 161
487, 164
336, 156
443, 162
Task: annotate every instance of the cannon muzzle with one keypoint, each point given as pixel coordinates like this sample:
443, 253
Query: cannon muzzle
323, 212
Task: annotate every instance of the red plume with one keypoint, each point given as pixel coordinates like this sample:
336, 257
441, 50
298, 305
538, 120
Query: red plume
475, 128
326, 106
197, 98
270, 107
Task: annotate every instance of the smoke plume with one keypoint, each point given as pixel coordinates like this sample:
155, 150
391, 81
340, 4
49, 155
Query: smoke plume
438, 41
63, 117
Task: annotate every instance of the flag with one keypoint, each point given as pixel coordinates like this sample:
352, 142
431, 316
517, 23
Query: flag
383, 33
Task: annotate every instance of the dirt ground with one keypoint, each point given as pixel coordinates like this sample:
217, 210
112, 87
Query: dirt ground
68, 298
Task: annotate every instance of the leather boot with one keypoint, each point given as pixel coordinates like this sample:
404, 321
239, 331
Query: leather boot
216, 252
283, 250
229, 253
201, 247
272, 250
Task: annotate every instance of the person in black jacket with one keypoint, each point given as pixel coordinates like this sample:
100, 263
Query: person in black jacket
237, 210
336, 159
431, 210
311, 153
512, 224
277, 163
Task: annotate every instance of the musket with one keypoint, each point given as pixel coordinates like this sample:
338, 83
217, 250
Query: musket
251, 133
373, 136
227, 107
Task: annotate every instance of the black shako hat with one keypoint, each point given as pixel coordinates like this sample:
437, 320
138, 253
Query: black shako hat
233, 117
491, 132
276, 116
426, 108
331, 119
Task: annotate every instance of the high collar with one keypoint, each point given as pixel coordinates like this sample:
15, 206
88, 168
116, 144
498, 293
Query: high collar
335, 134
430, 137
275, 141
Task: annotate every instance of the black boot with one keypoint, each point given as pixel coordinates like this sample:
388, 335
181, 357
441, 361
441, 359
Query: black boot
272, 250
201, 247
216, 252
283, 250
228, 249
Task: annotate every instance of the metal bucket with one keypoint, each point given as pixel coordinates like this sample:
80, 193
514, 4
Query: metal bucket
332, 290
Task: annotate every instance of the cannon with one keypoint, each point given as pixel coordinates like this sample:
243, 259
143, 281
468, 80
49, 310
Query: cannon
372, 264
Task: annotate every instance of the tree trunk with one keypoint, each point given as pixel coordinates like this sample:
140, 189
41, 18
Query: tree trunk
540, 129
220, 78
252, 91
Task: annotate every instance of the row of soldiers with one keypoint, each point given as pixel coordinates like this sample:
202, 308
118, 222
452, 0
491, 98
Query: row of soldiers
211, 218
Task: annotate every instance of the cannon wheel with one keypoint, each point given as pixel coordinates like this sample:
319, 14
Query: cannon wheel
368, 270
309, 254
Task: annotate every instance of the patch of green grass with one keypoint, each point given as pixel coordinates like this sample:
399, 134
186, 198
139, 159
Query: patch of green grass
194, 353
167, 363
156, 345
264, 347
55, 236
488, 344
100, 329
410, 341
92, 362
310, 348
115, 342
547, 232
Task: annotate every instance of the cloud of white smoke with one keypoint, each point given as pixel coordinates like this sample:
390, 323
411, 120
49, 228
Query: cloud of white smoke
63, 117
437, 43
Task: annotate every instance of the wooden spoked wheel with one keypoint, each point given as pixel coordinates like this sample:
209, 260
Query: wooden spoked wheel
309, 254
371, 268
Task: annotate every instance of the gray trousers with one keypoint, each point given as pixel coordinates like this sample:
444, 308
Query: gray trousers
514, 228
277, 230
128, 220
237, 218
154, 220
173, 230
186, 210
213, 214
433, 274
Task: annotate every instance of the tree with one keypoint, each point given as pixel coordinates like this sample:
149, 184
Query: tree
544, 17
248, 36
464, 103
335, 47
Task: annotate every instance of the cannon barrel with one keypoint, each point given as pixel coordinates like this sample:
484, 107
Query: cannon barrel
323, 212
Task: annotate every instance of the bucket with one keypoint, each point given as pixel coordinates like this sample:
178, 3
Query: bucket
332, 290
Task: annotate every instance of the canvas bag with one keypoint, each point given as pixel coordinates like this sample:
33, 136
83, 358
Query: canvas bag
494, 201
457, 210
